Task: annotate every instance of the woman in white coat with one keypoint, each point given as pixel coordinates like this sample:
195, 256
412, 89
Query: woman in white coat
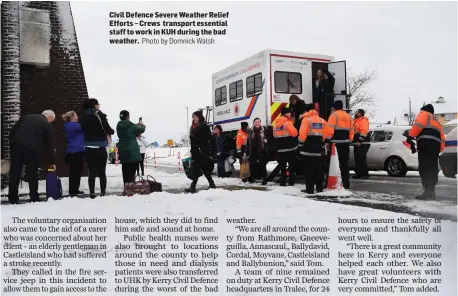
142, 144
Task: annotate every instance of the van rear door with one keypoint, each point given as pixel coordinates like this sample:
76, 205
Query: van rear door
339, 71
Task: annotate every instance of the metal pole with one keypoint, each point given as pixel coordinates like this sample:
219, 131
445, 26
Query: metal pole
410, 111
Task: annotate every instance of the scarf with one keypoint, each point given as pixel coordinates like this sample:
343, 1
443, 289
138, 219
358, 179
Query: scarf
193, 130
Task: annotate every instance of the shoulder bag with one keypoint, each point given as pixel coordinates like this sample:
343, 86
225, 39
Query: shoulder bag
107, 135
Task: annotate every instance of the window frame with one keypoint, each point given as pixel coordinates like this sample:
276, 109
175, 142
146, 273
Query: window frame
238, 96
220, 89
385, 133
288, 73
254, 93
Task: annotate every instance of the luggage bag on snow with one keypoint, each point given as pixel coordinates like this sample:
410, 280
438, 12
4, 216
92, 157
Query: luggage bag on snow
53, 185
142, 187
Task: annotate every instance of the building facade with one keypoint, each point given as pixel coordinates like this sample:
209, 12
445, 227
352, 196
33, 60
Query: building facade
41, 67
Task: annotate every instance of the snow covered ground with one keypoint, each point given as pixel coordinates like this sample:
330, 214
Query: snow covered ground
275, 206
177, 182
278, 206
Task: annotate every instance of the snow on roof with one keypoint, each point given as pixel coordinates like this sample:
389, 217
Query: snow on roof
444, 108
67, 38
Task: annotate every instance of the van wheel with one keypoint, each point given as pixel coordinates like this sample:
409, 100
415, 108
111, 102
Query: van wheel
395, 167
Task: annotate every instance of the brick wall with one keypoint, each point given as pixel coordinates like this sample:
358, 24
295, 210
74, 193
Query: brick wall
61, 86
10, 89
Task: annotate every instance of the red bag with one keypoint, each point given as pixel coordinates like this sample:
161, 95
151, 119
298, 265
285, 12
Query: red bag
141, 187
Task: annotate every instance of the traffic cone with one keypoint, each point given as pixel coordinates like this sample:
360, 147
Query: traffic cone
334, 179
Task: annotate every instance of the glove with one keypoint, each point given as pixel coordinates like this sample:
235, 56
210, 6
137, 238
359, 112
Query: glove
413, 148
409, 140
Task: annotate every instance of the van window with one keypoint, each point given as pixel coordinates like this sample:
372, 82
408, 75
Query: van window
288, 82
448, 129
220, 96
254, 85
236, 91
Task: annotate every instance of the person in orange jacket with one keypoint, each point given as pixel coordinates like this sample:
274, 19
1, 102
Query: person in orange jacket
241, 139
430, 143
342, 124
362, 144
241, 143
285, 135
312, 134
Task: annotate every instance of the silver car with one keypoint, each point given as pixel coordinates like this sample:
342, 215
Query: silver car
389, 151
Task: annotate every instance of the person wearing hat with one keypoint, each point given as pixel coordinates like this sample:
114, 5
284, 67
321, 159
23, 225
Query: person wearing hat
430, 139
241, 143
128, 149
362, 144
203, 148
285, 135
97, 133
342, 125
312, 135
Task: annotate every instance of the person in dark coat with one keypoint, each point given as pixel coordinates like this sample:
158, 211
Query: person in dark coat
297, 107
74, 151
430, 139
202, 148
222, 150
96, 131
32, 135
257, 139
323, 92
128, 149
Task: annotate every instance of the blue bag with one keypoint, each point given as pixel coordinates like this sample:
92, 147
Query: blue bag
53, 185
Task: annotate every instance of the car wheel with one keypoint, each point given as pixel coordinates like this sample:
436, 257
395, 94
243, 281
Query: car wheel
395, 167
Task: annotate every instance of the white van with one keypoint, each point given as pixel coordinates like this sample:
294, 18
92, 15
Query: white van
260, 86
448, 158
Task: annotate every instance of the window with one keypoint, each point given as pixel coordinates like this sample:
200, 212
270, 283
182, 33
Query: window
288, 82
220, 96
380, 136
254, 85
35, 36
236, 91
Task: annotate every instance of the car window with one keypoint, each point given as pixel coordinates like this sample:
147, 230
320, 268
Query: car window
388, 136
379, 136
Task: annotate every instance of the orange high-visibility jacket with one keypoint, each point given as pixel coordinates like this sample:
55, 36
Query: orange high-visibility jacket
342, 124
428, 132
360, 129
314, 130
285, 134
241, 140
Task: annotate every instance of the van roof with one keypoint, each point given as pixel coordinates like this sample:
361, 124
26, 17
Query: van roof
271, 51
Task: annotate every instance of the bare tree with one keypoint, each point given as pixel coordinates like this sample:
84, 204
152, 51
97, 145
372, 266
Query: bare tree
409, 116
360, 97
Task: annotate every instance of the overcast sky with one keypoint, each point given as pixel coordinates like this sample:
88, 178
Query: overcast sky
413, 45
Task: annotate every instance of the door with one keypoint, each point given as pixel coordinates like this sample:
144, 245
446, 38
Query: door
380, 146
339, 71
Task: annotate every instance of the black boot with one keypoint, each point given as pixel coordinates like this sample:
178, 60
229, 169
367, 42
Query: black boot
211, 185
428, 193
192, 188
